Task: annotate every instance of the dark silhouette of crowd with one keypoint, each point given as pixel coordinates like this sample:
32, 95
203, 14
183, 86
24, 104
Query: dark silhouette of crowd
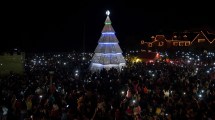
60, 87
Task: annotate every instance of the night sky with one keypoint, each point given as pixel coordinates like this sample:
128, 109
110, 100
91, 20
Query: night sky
64, 26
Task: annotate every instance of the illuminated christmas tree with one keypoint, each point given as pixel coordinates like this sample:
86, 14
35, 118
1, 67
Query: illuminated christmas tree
108, 53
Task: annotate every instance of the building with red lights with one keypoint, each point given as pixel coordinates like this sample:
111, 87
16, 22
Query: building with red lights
203, 40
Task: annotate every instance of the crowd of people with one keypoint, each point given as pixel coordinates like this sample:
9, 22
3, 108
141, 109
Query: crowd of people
61, 87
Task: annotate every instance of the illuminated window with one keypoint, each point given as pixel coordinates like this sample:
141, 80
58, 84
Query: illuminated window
142, 42
175, 43
201, 40
181, 43
187, 43
160, 44
150, 44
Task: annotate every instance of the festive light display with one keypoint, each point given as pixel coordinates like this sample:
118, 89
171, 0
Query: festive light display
108, 43
107, 54
108, 33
